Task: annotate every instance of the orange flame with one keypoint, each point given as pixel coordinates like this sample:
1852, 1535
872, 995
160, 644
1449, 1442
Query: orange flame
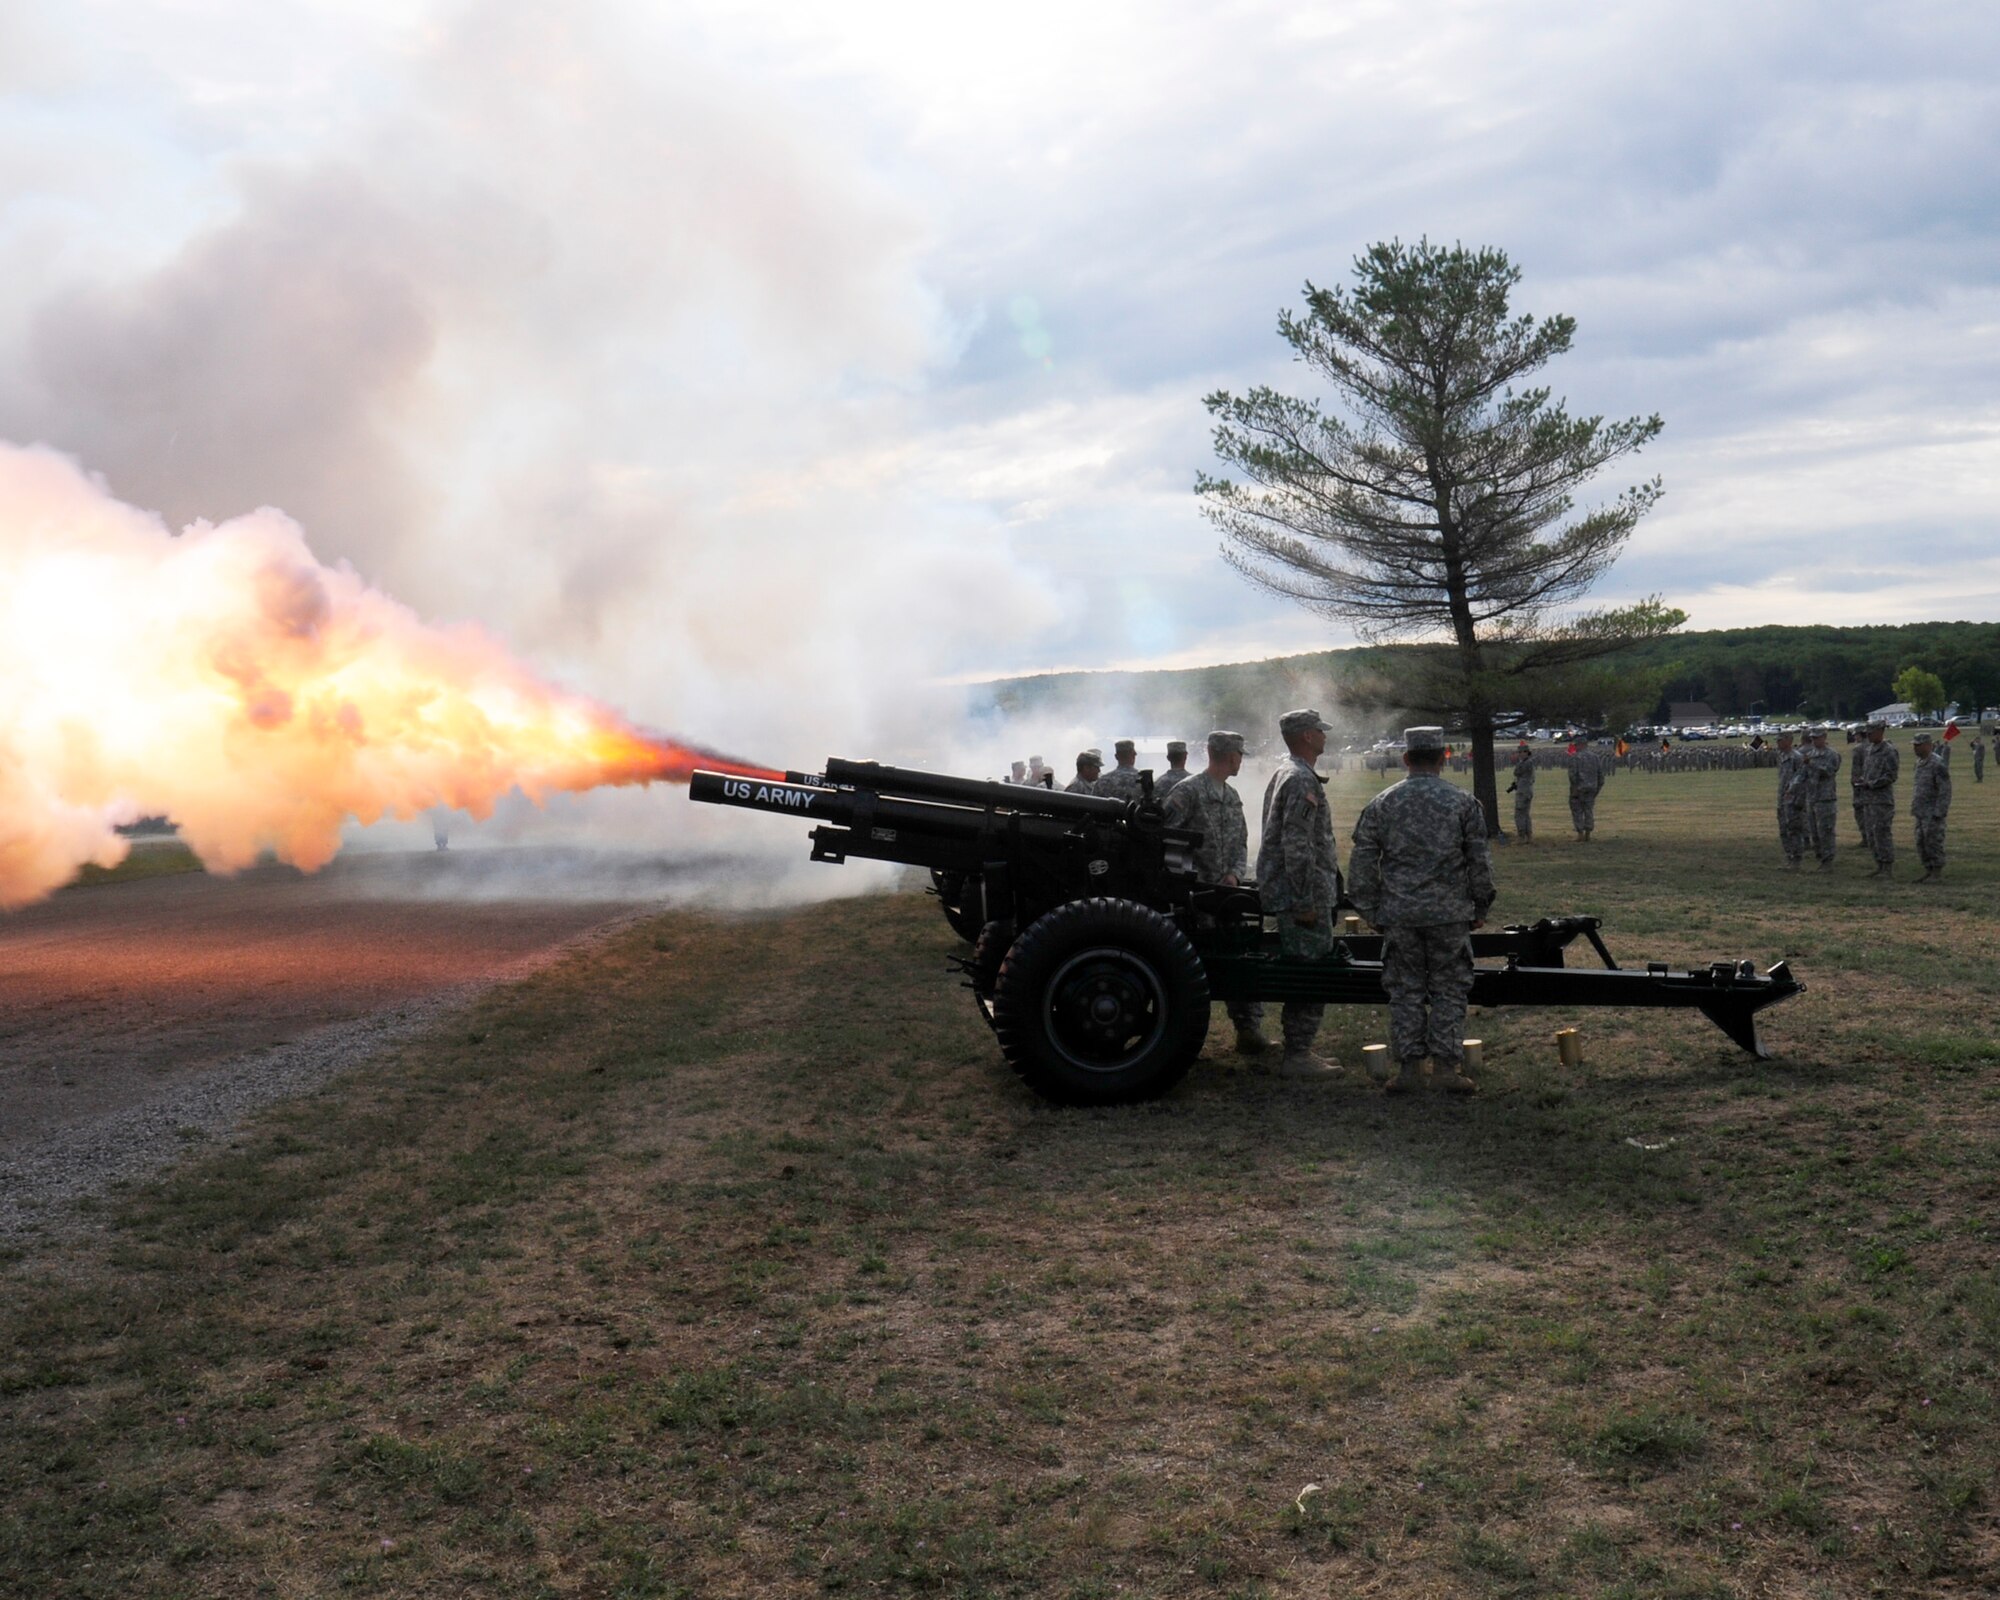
229, 679
627, 757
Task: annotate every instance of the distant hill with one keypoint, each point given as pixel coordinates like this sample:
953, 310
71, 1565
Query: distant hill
1820, 671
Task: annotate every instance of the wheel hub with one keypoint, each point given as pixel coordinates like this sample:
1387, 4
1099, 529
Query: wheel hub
1106, 1008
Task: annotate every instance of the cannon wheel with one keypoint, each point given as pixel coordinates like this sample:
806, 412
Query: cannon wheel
960, 910
1100, 1002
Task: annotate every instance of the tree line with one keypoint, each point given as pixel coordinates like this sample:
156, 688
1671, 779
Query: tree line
1822, 671
1740, 672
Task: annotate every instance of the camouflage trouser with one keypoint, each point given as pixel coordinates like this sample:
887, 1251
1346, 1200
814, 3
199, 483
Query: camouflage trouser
1428, 973
1794, 831
1878, 831
1301, 1018
1930, 843
1583, 811
1860, 819
1524, 825
1246, 1014
1821, 819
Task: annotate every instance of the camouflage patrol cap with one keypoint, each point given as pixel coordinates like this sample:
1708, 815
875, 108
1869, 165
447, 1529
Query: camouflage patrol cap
1875, 723
1423, 741
1089, 758
1124, 747
1524, 745
1303, 722
1177, 747
1224, 743
1923, 738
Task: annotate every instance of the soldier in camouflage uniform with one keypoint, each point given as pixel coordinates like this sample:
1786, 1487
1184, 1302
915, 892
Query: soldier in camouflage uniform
1088, 764
1421, 874
1978, 759
1523, 791
1859, 750
1878, 764
1930, 800
1122, 781
1585, 779
1176, 773
1207, 803
1298, 877
1794, 803
1822, 799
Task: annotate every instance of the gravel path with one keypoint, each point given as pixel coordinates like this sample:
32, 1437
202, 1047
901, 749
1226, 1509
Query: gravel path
139, 1020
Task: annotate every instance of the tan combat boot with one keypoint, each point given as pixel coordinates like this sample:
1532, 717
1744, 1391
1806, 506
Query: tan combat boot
1452, 1079
1411, 1079
1300, 1062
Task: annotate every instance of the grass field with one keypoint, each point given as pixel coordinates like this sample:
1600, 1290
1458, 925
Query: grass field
728, 1260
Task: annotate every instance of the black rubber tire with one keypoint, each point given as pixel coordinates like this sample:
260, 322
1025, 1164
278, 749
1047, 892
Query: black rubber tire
988, 951
1101, 1002
963, 910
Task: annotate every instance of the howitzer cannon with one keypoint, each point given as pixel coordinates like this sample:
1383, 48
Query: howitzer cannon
1097, 949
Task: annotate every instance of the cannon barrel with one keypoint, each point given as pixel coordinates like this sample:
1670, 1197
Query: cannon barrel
864, 808
1031, 799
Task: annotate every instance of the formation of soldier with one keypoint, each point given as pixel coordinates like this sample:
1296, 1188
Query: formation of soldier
1421, 876
1808, 795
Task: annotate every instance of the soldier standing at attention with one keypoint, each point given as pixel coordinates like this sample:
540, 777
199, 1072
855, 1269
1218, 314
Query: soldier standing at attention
1860, 754
1523, 791
1978, 759
1298, 877
1122, 781
1421, 874
1877, 765
1585, 779
1794, 802
1930, 799
1177, 772
1206, 802
1088, 764
1823, 801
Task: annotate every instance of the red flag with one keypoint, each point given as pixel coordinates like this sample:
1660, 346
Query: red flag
1572, 748
1951, 730
1623, 747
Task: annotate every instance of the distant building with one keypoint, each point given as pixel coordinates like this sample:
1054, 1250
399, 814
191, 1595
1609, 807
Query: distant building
1895, 715
1691, 714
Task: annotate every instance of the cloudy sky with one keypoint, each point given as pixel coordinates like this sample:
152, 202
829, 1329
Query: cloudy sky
738, 360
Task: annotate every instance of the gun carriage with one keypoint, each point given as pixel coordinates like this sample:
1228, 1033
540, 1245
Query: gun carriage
1097, 949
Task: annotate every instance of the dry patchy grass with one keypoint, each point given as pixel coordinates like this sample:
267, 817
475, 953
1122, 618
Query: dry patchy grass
728, 1260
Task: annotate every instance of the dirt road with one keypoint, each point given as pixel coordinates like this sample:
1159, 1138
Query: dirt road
140, 1011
